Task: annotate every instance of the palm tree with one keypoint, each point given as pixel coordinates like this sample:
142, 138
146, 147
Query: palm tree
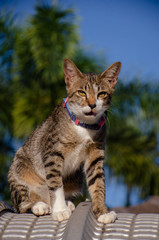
7, 39
132, 138
40, 50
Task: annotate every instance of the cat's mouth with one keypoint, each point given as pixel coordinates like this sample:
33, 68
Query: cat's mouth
91, 114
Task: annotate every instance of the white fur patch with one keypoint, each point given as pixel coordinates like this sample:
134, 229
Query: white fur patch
70, 205
73, 159
59, 202
99, 107
78, 155
80, 112
62, 215
40, 208
95, 87
107, 217
84, 133
60, 211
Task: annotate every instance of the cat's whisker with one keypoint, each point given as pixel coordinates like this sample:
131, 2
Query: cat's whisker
109, 110
108, 123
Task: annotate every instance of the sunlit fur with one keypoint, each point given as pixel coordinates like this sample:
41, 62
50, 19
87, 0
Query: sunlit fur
51, 165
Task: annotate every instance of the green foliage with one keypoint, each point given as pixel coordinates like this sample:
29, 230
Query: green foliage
52, 37
132, 136
40, 50
89, 63
7, 39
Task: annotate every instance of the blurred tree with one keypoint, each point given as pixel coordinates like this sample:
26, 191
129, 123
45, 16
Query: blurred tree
32, 80
88, 62
40, 50
132, 138
7, 39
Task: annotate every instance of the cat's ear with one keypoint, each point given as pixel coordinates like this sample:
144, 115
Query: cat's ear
111, 74
70, 71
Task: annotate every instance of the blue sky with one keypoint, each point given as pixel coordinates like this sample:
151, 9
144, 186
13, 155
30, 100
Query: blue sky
125, 30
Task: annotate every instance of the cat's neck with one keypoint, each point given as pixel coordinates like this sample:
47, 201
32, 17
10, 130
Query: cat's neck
96, 126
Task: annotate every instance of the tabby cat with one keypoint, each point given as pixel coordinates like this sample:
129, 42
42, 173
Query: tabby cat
50, 167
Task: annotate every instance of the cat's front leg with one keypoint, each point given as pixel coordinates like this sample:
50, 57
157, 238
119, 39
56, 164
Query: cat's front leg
53, 163
61, 210
94, 171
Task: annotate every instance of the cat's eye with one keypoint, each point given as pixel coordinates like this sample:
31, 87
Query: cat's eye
81, 93
102, 94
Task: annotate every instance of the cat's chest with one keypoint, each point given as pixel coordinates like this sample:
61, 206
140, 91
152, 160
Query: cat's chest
84, 133
78, 155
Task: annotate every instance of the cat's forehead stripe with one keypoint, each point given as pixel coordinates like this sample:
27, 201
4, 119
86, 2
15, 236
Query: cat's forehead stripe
95, 87
91, 79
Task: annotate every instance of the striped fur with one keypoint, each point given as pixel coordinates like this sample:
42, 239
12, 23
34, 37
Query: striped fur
50, 167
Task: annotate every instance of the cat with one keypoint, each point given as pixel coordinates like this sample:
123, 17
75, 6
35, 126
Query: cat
51, 165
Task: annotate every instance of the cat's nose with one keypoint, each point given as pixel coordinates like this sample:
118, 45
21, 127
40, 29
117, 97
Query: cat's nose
92, 106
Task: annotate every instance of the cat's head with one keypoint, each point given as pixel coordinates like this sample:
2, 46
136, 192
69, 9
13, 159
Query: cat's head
89, 93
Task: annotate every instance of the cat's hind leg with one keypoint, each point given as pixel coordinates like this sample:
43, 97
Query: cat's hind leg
27, 187
27, 200
20, 197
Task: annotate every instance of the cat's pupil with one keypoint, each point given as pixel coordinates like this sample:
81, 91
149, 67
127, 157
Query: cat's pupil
81, 93
102, 94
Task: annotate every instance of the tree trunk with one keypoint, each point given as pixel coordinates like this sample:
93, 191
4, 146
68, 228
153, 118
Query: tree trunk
128, 195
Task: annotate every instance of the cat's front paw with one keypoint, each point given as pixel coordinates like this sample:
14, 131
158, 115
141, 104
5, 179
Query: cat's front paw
107, 217
70, 205
62, 215
40, 208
